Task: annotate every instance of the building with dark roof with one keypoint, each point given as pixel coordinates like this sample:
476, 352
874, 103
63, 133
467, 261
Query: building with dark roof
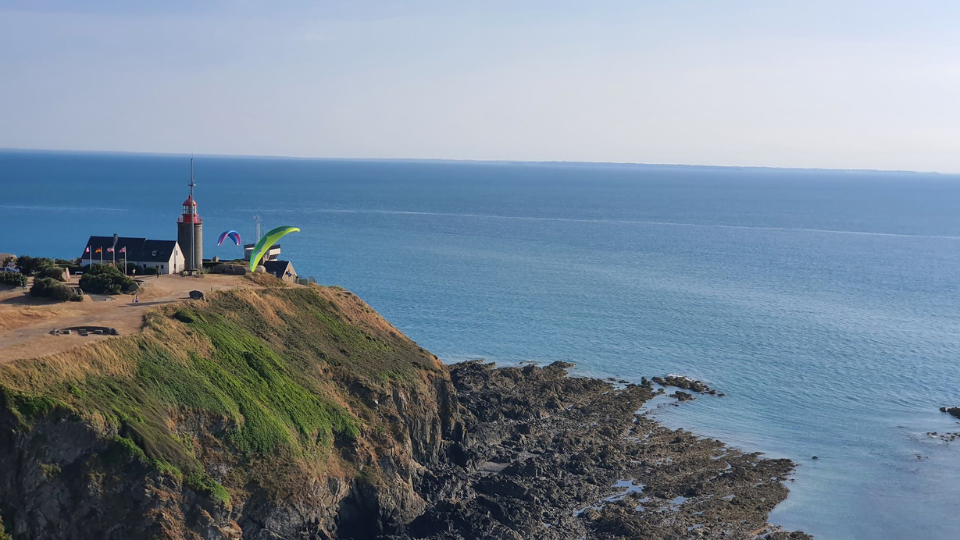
281, 269
164, 255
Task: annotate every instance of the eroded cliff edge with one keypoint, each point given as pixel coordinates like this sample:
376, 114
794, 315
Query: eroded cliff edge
301, 413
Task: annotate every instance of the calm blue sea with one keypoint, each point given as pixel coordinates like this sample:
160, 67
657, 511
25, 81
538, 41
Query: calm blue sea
824, 304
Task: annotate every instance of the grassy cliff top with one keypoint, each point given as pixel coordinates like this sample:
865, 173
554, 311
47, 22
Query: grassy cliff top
246, 377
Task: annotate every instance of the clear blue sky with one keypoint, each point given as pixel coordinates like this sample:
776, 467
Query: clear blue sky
839, 84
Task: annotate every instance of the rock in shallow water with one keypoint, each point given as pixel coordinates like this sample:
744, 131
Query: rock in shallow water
955, 411
684, 383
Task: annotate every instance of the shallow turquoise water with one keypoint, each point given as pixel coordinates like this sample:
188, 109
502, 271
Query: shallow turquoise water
824, 304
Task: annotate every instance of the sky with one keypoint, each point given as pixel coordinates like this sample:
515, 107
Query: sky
824, 84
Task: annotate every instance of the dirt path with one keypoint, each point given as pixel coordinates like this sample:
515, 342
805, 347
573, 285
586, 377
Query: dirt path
25, 323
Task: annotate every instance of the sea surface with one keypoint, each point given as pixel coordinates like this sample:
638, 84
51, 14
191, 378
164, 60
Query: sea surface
825, 304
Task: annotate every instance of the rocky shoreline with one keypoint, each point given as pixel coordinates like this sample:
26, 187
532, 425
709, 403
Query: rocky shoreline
545, 455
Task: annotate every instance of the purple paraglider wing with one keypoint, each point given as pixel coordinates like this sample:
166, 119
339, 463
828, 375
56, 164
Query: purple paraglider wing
234, 235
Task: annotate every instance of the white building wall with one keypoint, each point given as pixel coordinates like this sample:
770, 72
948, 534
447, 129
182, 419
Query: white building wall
172, 265
177, 260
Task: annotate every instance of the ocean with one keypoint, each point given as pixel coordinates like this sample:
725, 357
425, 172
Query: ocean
824, 304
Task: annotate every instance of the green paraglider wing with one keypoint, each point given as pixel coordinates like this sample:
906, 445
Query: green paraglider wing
268, 240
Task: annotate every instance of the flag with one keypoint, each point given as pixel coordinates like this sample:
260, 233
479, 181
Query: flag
87, 250
123, 249
109, 250
98, 250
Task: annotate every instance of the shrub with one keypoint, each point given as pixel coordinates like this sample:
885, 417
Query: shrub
104, 279
29, 265
52, 272
14, 279
44, 287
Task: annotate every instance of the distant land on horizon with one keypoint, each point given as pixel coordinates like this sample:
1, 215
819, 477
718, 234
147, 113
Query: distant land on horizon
604, 164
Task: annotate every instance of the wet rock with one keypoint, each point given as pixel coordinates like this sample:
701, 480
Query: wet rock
583, 469
945, 437
684, 383
682, 396
955, 411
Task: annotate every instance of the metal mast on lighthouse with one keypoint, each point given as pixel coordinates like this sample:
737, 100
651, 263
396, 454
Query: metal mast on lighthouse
193, 220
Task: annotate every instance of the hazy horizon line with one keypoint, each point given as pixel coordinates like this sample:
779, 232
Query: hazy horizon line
476, 161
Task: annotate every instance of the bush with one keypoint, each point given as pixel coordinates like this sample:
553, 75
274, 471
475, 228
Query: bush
44, 287
52, 272
104, 279
29, 265
14, 279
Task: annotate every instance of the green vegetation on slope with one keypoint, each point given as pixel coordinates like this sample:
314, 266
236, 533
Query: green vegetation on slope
245, 379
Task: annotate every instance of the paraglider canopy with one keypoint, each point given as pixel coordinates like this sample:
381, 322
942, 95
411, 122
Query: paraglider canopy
268, 240
234, 235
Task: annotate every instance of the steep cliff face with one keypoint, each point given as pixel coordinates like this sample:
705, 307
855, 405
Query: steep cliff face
275, 413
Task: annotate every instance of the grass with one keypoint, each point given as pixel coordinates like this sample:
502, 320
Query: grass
202, 483
269, 367
50, 470
4, 535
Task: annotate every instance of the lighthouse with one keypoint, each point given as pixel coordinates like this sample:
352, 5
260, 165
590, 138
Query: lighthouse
190, 230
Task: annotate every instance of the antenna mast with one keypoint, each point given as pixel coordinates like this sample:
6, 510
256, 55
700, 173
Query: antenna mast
193, 220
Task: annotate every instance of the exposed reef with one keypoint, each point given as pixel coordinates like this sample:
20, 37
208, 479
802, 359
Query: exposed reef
686, 383
551, 456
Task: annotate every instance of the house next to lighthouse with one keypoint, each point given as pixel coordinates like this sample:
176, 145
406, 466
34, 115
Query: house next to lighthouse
131, 253
166, 256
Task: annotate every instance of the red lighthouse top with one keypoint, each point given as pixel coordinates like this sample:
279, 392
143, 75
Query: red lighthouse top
189, 211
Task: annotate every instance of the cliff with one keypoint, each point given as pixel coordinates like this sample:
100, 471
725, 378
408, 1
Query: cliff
267, 413
300, 413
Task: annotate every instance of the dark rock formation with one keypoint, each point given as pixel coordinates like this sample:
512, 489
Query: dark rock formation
955, 411
685, 384
945, 437
553, 457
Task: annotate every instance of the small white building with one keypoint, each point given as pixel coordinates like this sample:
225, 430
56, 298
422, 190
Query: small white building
164, 255
271, 254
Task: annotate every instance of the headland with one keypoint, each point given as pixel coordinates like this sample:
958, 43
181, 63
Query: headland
274, 410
